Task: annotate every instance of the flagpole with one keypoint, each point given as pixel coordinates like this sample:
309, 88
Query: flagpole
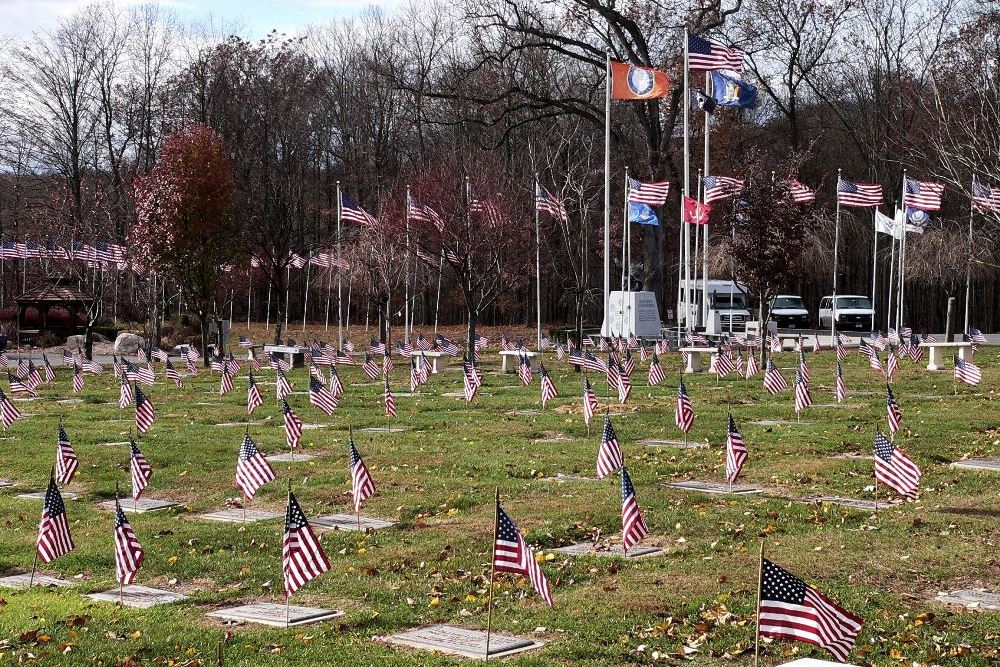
267, 321
968, 259
687, 193
680, 267
437, 305
340, 310
538, 276
874, 260
625, 250
902, 257
704, 246
493, 572
286, 528
697, 245
760, 586
607, 192
406, 274
305, 301
892, 275
836, 246
288, 290
249, 298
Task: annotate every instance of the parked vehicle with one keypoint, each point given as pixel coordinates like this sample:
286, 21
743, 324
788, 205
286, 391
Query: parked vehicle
727, 304
852, 312
789, 312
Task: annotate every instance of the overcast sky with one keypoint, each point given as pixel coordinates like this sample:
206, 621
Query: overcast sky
19, 18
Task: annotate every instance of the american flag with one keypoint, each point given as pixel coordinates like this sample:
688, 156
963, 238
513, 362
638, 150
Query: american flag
802, 398
803, 368
191, 361
67, 358
589, 402
624, 384
546, 202
976, 337
683, 412
293, 426
511, 554
707, 54
141, 356
146, 375
592, 363
376, 347
77, 380
548, 387
139, 468
789, 609
799, 193
656, 374
738, 364
171, 374
388, 399
158, 354
633, 525
216, 361
841, 386
302, 556
967, 372
613, 372
873, 361
22, 368
816, 346
18, 386
984, 197
723, 364
752, 367
524, 371
654, 194
321, 397
125, 395
362, 484
350, 211
894, 416
276, 362
446, 346
850, 193
66, 460
128, 551
721, 187
144, 415
54, 539
736, 452
894, 468
915, 350
923, 195
404, 349
422, 213
226, 384
234, 366
422, 343
336, 386
35, 378
282, 386
470, 380
252, 469
414, 375
245, 342
891, 364
370, 368
609, 455
774, 381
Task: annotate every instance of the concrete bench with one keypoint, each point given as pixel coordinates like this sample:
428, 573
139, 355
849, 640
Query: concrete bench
516, 355
433, 356
692, 358
295, 356
935, 353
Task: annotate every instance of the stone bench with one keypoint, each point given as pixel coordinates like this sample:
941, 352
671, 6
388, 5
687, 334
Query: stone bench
295, 356
692, 358
935, 353
516, 355
433, 356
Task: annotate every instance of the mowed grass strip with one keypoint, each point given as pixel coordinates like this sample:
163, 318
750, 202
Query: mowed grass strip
437, 479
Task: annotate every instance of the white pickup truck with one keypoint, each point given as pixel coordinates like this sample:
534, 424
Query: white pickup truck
852, 312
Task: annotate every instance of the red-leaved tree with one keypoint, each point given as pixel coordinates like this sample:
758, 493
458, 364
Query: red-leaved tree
186, 226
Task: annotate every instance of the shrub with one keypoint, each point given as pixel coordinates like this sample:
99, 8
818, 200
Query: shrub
58, 316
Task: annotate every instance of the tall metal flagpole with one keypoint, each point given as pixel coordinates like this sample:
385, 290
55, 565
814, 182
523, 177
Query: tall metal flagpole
305, 301
892, 276
626, 257
406, 259
902, 257
607, 192
697, 244
288, 290
340, 273
874, 260
704, 246
687, 192
680, 266
836, 246
538, 277
968, 259
437, 305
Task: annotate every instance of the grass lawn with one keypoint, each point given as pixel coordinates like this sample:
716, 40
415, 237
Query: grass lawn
695, 602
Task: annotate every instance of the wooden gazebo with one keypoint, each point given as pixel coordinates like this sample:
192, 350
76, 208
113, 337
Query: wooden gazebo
45, 297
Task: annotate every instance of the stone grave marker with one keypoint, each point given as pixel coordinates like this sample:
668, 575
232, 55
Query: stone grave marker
853, 503
679, 444
384, 429
714, 487
614, 550
562, 478
21, 581
69, 401
992, 465
349, 522
40, 495
270, 613
313, 427
236, 515
974, 598
140, 597
814, 662
463, 642
139, 506
288, 457
774, 422
5, 483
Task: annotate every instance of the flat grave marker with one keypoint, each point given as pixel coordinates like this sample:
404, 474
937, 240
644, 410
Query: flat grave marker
992, 465
140, 597
814, 662
270, 613
5, 483
679, 444
853, 503
236, 515
774, 422
614, 550
453, 640
40, 495
140, 506
562, 478
313, 427
21, 581
971, 598
288, 457
384, 429
714, 487
69, 401
350, 522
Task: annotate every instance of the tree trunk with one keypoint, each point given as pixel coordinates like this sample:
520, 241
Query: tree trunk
471, 340
203, 321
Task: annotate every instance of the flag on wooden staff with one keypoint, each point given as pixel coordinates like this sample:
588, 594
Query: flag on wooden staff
252, 468
293, 426
894, 468
128, 551
362, 484
683, 411
54, 539
144, 415
302, 556
609, 455
736, 452
66, 459
139, 468
633, 525
254, 397
512, 554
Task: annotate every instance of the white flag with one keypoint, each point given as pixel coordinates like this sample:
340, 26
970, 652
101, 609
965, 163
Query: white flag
884, 224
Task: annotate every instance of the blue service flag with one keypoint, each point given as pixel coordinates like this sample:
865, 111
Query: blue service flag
642, 214
733, 92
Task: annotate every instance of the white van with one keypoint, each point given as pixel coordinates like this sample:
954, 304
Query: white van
726, 301
853, 312
789, 312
